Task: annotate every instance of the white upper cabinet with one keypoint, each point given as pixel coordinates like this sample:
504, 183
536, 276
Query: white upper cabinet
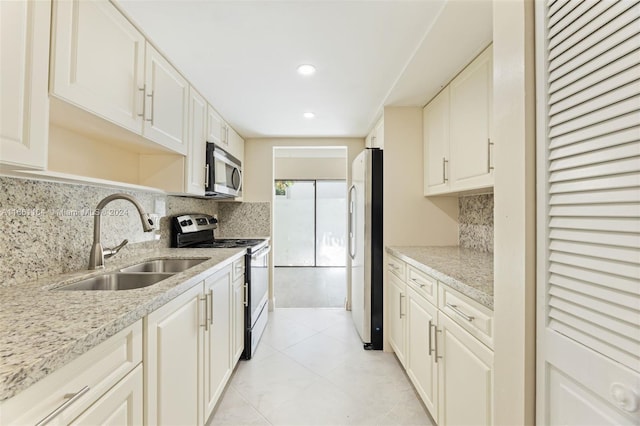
236, 145
195, 166
167, 103
97, 61
375, 139
101, 63
457, 132
218, 131
24, 104
470, 131
436, 143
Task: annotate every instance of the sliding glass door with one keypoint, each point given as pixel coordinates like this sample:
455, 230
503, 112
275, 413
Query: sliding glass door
310, 223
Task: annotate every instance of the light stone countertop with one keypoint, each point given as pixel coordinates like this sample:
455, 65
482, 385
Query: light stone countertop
42, 330
468, 271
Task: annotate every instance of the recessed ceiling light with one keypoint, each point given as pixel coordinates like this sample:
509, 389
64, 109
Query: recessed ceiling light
308, 115
306, 69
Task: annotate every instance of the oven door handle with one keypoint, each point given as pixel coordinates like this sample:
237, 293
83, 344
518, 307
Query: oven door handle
263, 251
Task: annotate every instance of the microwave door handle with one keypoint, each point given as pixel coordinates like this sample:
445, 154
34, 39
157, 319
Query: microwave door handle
236, 170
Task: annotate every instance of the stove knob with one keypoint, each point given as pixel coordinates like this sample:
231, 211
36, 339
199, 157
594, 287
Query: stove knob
184, 223
189, 222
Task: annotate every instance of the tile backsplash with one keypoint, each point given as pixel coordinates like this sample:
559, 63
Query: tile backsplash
476, 222
47, 227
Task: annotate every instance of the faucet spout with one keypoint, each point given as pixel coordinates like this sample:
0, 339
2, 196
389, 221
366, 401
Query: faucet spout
97, 255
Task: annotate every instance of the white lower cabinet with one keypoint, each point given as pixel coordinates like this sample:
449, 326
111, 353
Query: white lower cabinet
421, 365
239, 300
446, 347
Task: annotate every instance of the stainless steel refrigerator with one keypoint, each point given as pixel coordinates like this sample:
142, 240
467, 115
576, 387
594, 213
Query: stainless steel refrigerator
365, 246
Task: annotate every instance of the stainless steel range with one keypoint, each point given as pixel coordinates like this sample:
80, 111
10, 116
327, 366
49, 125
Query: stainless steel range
196, 231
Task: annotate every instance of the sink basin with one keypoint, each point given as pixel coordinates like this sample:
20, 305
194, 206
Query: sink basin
164, 265
117, 281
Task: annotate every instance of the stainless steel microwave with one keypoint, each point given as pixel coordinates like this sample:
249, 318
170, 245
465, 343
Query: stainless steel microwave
223, 173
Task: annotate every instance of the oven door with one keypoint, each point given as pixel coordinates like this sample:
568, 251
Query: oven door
223, 175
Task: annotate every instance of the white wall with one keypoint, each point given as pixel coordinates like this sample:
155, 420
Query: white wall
514, 214
310, 168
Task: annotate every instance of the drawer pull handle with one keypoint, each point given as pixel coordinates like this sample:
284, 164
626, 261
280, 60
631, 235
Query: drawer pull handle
73, 397
455, 309
394, 267
418, 282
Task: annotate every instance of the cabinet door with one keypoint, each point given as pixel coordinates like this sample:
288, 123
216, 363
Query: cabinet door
217, 353
121, 406
236, 145
97, 61
167, 103
435, 118
396, 321
196, 159
173, 364
217, 129
24, 104
422, 367
378, 142
238, 319
471, 103
465, 377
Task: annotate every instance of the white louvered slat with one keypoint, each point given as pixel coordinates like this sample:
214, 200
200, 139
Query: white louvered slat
584, 13
611, 267
628, 165
563, 10
597, 197
595, 237
597, 130
555, 5
599, 251
625, 224
595, 210
564, 301
595, 157
620, 293
601, 142
616, 74
588, 37
629, 180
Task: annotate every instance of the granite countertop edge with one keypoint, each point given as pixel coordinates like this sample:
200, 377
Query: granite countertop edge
59, 337
474, 290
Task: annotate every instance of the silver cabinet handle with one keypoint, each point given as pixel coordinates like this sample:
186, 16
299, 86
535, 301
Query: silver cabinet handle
489, 166
206, 175
436, 344
211, 307
246, 295
394, 267
400, 300
144, 104
73, 397
150, 95
444, 168
455, 309
430, 343
417, 282
205, 299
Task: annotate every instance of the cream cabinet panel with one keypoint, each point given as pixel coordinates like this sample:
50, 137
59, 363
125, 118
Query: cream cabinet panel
375, 139
218, 335
121, 406
86, 379
422, 367
167, 103
173, 361
396, 309
465, 377
24, 104
237, 324
236, 145
196, 159
436, 144
97, 61
217, 129
470, 131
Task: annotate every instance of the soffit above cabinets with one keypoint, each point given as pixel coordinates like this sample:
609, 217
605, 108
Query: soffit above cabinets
242, 56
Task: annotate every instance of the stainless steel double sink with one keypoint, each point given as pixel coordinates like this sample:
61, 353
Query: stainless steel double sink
139, 275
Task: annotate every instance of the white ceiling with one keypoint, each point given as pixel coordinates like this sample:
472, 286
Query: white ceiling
242, 56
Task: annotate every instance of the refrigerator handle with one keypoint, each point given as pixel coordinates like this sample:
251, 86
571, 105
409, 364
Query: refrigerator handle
352, 215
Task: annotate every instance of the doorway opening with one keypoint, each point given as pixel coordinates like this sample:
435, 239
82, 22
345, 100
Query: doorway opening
310, 227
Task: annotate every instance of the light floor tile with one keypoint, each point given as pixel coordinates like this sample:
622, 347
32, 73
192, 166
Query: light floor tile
310, 369
307, 287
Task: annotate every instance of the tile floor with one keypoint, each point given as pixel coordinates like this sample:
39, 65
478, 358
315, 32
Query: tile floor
323, 287
310, 369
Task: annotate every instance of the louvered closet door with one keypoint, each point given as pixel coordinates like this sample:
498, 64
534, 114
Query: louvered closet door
588, 83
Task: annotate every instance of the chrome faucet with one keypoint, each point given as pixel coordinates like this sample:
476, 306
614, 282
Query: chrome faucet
98, 253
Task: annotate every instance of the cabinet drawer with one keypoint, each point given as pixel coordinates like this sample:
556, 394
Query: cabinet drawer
238, 269
423, 284
396, 266
469, 314
84, 380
